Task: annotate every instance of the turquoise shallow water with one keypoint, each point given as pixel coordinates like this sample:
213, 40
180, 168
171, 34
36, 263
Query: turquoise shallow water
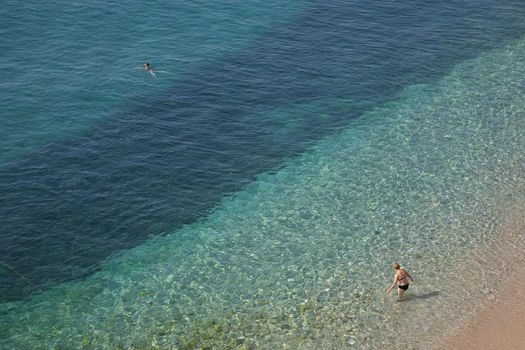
300, 257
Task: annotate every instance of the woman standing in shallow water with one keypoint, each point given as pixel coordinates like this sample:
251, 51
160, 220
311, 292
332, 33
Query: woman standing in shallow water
401, 279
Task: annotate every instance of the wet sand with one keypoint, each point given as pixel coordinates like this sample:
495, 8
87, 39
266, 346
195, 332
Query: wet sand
499, 325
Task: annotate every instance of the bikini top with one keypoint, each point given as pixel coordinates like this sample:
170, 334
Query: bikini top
405, 277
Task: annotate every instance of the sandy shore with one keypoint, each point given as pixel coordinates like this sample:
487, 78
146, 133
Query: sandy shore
500, 325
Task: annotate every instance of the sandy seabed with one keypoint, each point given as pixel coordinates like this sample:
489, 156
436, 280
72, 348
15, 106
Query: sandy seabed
500, 323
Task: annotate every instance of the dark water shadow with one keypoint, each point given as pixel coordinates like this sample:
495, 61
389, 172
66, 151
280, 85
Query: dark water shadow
424, 296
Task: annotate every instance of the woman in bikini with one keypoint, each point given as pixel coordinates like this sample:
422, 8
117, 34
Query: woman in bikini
401, 279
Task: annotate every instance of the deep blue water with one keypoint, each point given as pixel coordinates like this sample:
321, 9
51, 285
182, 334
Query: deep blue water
98, 156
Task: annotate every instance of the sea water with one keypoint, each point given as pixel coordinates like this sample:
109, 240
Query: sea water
284, 183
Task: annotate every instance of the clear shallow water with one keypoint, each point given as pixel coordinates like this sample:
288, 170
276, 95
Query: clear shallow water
300, 257
331, 183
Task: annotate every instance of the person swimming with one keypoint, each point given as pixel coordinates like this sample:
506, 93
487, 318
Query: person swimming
147, 68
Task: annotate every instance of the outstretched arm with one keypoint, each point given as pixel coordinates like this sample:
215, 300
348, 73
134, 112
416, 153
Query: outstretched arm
393, 285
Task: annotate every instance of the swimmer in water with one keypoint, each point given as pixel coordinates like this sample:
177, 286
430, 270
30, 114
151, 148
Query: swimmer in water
147, 68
